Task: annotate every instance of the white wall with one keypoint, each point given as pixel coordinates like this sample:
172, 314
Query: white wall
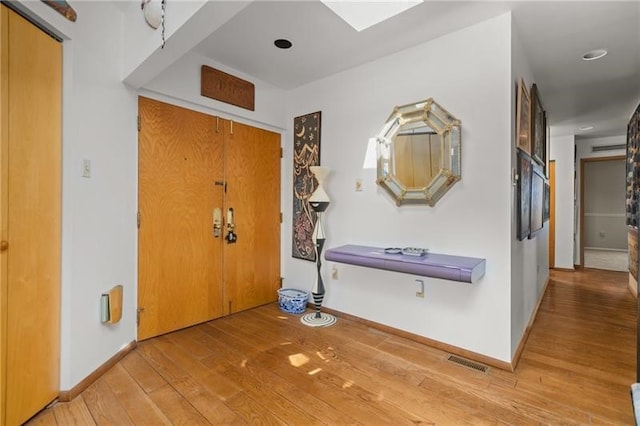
562, 151
467, 72
98, 214
187, 24
530, 257
180, 85
583, 150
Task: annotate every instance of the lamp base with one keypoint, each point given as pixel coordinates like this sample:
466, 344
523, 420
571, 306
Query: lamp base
311, 320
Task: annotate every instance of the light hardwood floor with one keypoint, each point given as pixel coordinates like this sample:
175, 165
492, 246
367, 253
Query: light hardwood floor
263, 367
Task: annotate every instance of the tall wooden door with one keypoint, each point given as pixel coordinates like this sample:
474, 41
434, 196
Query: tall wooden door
30, 211
552, 214
180, 259
252, 171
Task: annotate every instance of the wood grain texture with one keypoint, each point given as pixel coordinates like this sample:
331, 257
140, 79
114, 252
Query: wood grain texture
417, 159
33, 219
424, 340
263, 366
227, 88
252, 172
4, 198
75, 412
180, 261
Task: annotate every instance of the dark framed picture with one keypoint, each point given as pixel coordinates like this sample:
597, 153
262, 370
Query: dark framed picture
546, 212
524, 195
538, 130
537, 200
523, 120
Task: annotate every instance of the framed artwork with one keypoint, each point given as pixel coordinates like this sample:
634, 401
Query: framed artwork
306, 153
537, 200
633, 168
524, 195
546, 212
523, 121
538, 130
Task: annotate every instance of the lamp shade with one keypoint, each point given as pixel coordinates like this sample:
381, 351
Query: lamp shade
319, 199
320, 173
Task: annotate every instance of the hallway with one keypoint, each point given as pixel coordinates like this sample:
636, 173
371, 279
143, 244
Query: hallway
264, 367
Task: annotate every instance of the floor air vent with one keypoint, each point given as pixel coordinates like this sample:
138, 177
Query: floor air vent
468, 363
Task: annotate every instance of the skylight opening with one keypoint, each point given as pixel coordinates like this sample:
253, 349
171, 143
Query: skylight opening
362, 15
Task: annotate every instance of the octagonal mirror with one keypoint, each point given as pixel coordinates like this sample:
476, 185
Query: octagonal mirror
418, 153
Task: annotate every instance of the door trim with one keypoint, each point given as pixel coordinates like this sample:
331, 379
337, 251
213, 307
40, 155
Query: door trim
552, 214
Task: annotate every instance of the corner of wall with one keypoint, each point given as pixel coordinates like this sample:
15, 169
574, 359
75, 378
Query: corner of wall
529, 257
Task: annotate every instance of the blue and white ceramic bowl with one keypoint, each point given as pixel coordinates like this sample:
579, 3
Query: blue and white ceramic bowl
292, 301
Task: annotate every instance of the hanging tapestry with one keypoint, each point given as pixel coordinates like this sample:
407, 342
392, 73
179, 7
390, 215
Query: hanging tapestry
306, 153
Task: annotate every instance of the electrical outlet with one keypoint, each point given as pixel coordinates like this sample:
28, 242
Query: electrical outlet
358, 184
334, 273
420, 289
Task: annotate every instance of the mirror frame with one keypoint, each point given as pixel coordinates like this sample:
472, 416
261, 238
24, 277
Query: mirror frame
448, 129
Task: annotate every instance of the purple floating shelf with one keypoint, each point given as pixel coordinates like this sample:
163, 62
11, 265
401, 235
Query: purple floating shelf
454, 268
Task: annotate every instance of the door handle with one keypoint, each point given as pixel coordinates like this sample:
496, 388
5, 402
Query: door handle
231, 235
217, 222
4, 245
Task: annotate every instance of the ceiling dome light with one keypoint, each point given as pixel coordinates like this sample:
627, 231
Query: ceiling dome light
585, 128
594, 54
282, 43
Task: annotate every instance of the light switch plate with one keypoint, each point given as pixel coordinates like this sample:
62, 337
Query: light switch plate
86, 168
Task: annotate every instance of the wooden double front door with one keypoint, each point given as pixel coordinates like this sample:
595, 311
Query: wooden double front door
191, 164
30, 217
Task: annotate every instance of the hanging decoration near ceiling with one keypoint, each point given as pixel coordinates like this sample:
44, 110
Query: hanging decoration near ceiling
306, 153
63, 8
154, 12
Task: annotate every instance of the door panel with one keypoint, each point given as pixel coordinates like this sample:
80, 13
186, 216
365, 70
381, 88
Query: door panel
33, 195
180, 260
252, 171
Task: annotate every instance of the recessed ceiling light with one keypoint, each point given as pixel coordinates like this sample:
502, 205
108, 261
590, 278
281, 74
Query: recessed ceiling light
594, 54
584, 128
283, 43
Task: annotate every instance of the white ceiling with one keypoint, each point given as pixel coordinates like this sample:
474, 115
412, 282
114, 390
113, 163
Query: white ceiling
576, 93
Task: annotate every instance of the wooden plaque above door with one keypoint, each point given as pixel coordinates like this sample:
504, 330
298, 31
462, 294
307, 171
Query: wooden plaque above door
227, 88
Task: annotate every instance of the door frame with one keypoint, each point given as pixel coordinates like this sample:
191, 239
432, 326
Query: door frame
552, 214
583, 161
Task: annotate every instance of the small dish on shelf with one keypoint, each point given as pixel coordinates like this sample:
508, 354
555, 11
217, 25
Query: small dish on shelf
414, 251
393, 250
